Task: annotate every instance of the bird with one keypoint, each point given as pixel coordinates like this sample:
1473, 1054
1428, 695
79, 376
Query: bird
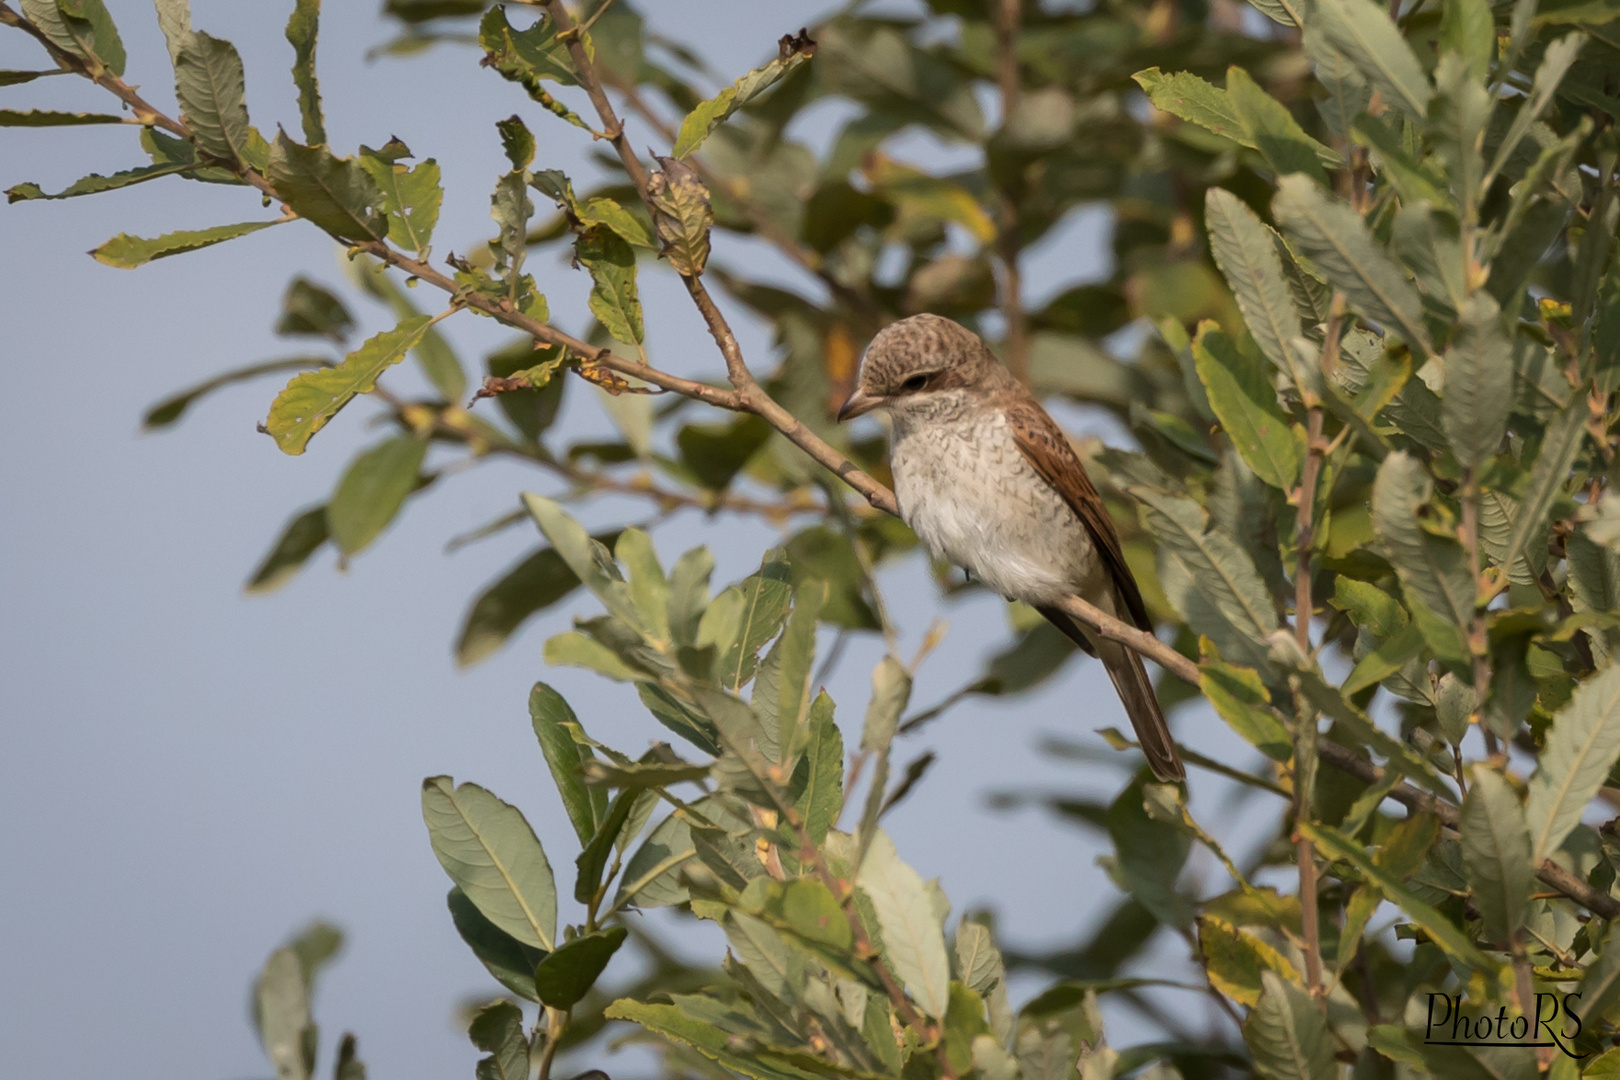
988, 482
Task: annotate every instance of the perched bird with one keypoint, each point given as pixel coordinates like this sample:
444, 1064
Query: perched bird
988, 482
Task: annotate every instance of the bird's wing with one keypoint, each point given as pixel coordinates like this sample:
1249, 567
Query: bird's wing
1043, 444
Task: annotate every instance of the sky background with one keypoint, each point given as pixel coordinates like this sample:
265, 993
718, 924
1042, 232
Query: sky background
190, 774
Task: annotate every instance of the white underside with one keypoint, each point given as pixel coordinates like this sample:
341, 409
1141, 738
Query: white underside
974, 500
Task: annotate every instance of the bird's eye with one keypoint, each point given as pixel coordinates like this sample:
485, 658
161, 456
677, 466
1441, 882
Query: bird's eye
915, 383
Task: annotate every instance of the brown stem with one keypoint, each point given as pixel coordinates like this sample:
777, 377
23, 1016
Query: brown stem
557, 1023
1305, 727
1008, 243
1478, 637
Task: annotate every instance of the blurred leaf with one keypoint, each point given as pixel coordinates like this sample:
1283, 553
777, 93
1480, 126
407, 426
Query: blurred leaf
913, 943
1336, 239
614, 299
281, 1015
556, 726
891, 690
490, 851
307, 402
337, 194
1273, 130
308, 309
1496, 855
568, 974
877, 66
1287, 1034
1244, 399
416, 11
1364, 32
169, 410
716, 453
372, 490
1148, 857
127, 252
302, 28
1582, 746
701, 121
302, 537
498, 1031
537, 582
818, 781
433, 354
509, 960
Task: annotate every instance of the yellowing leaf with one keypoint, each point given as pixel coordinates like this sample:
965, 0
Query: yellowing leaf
313, 398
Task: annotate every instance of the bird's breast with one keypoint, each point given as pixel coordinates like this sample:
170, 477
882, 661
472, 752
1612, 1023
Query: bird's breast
974, 500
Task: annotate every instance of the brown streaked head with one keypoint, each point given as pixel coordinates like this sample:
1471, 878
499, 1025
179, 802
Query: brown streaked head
917, 358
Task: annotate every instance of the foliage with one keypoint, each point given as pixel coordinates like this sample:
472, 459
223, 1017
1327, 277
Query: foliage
1375, 429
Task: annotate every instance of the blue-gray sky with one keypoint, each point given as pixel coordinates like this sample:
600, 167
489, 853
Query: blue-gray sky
190, 774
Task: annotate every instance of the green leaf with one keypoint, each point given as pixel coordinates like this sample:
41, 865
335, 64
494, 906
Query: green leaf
1555, 64
411, 199
1348, 93
555, 725
526, 56
50, 118
170, 409
1236, 960
795, 655
1273, 130
1246, 253
92, 24
1335, 845
1335, 238
538, 582
1212, 580
1194, 100
614, 299
1468, 29
434, 355
1559, 448
335, 193
17, 78
1415, 182
302, 537
818, 781
1458, 116
174, 18
593, 860
490, 851
761, 602
1287, 1034
209, 83
682, 216
498, 1031
891, 690
716, 453
510, 961
1581, 747
1148, 857
1244, 399
568, 974
302, 27
1479, 383
587, 557
700, 123
652, 877
1241, 699
313, 398
282, 1017
95, 183
913, 943
127, 252
510, 207
649, 589
1433, 569
1364, 32
1496, 855
372, 490
308, 309
761, 1063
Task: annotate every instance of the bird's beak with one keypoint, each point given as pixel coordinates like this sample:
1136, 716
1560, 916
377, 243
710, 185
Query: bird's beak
859, 404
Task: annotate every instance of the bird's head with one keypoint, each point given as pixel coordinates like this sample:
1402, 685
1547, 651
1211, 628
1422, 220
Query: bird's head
916, 361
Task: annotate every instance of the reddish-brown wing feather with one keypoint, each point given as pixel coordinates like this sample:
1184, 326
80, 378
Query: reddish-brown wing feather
1045, 447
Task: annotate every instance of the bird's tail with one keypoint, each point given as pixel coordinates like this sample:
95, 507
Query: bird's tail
1135, 691
1142, 706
